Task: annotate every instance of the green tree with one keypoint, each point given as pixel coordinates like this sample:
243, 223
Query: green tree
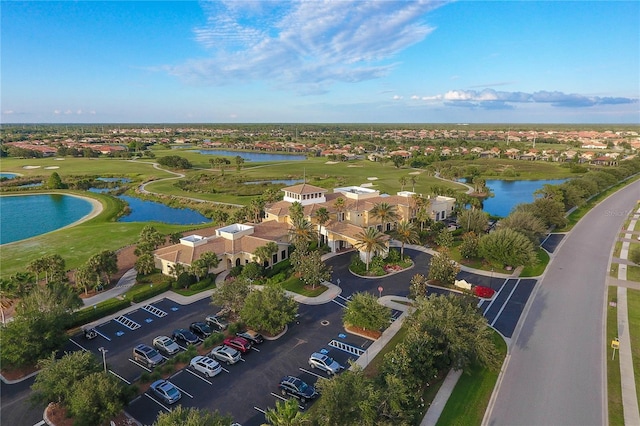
352, 386
210, 259
508, 247
8, 293
239, 162
444, 238
286, 413
199, 269
340, 206
231, 294
385, 212
192, 417
312, 269
526, 223
403, 182
97, 398
443, 269
296, 212
174, 237
397, 161
149, 240
55, 182
265, 253
57, 377
418, 286
301, 234
473, 220
370, 240
406, 233
145, 264
470, 245
549, 211
364, 311
322, 217
270, 309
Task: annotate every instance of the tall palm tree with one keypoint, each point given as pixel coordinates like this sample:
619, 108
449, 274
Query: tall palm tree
322, 217
210, 259
296, 212
413, 179
406, 233
257, 206
265, 253
385, 212
370, 240
340, 205
403, 182
301, 233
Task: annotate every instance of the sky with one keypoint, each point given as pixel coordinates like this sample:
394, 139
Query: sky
358, 61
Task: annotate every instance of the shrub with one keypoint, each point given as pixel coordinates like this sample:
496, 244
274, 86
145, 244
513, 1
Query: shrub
394, 256
235, 327
235, 271
145, 377
634, 255
213, 340
100, 310
281, 267
140, 293
204, 283
357, 266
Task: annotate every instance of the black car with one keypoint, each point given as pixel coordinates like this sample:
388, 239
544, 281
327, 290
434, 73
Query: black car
186, 336
252, 336
201, 329
295, 387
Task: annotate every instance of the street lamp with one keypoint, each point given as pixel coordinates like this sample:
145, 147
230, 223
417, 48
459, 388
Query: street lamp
104, 358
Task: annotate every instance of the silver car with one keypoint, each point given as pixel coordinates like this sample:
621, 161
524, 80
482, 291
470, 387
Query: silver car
207, 366
325, 362
166, 345
225, 354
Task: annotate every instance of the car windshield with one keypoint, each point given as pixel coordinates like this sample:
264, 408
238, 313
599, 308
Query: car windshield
303, 386
171, 391
329, 360
153, 353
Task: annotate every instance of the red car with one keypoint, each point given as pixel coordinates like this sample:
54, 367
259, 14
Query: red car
239, 343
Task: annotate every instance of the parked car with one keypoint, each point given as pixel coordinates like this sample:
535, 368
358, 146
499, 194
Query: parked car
216, 322
225, 354
90, 333
186, 336
207, 366
166, 391
324, 362
200, 328
166, 345
294, 386
253, 336
147, 355
238, 343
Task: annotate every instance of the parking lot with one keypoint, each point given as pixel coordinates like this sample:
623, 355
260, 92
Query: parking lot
247, 389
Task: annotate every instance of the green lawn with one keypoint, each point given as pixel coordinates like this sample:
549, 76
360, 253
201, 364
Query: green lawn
614, 389
538, 269
633, 307
633, 273
469, 399
296, 285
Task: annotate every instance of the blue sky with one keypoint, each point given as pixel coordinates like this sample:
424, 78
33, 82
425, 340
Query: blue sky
314, 61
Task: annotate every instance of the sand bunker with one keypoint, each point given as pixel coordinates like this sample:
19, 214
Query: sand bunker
59, 159
51, 167
30, 167
331, 162
414, 173
353, 165
372, 178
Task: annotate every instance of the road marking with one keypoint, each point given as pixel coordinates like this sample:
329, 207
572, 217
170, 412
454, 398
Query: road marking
120, 377
505, 303
495, 298
42, 422
285, 399
257, 350
182, 347
79, 345
139, 365
259, 409
199, 376
154, 400
312, 373
224, 369
338, 303
242, 359
102, 334
183, 391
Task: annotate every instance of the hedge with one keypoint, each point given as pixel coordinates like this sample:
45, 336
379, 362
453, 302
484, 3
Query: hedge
143, 292
98, 311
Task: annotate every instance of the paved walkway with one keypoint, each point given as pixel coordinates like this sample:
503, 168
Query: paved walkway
627, 378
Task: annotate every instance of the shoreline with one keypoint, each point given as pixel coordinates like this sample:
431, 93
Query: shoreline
96, 209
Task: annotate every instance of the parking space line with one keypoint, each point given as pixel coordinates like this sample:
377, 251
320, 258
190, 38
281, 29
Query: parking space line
255, 349
312, 373
139, 365
102, 334
338, 303
285, 399
183, 391
154, 400
78, 345
224, 369
494, 298
198, 376
242, 359
259, 409
120, 377
42, 422
182, 347
505, 303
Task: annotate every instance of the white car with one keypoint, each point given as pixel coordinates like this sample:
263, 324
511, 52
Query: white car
207, 366
225, 354
324, 362
166, 345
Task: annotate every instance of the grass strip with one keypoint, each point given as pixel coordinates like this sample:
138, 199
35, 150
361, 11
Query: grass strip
614, 386
538, 268
469, 399
633, 307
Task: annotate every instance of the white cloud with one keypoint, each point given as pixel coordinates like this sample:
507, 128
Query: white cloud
307, 45
396, 97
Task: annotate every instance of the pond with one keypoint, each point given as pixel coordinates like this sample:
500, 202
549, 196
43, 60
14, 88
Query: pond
26, 216
253, 156
276, 182
510, 193
152, 211
8, 175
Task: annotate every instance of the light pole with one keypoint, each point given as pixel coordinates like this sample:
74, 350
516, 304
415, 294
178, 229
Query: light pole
104, 357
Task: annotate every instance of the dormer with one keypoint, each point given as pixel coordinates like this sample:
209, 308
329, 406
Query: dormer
304, 194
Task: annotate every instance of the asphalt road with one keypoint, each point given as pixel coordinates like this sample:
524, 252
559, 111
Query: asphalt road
555, 374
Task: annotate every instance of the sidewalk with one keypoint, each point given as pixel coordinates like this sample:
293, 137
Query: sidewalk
627, 378
126, 281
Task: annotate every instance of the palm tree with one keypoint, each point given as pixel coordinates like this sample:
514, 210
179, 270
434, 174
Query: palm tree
256, 206
199, 269
265, 253
37, 266
385, 212
322, 217
301, 233
210, 259
296, 212
413, 179
339, 205
405, 233
8, 292
285, 413
403, 182
370, 240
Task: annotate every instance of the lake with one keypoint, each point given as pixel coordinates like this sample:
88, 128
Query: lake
152, 211
510, 193
253, 156
26, 216
8, 175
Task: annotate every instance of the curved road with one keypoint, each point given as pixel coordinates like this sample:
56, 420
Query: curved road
555, 373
